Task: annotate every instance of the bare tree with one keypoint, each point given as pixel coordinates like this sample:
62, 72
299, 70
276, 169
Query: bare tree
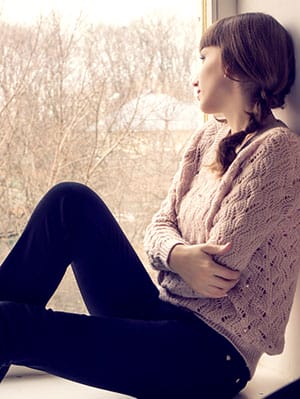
64, 96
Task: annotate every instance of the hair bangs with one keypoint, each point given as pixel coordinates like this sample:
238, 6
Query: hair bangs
213, 36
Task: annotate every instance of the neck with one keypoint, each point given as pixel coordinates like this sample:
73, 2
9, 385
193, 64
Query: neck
236, 122
236, 110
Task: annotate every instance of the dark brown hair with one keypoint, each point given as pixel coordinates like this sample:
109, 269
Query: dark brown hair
258, 52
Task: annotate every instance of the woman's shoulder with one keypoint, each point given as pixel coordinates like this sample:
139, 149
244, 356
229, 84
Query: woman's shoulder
282, 132
281, 141
276, 141
275, 152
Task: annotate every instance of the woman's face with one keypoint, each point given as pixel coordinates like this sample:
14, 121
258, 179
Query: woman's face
213, 88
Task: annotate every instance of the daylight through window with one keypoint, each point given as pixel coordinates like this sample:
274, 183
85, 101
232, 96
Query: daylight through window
107, 103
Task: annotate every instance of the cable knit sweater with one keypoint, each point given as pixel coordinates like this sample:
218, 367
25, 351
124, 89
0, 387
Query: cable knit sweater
256, 206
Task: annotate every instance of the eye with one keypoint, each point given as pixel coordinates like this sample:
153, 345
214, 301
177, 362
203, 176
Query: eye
202, 57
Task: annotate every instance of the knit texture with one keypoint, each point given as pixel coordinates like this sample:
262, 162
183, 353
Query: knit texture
256, 206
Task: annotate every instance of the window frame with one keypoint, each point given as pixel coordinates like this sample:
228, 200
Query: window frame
216, 9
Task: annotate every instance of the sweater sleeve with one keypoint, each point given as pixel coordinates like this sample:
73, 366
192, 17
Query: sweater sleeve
261, 196
163, 233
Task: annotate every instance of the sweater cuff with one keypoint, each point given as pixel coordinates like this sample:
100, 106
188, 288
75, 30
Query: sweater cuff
164, 253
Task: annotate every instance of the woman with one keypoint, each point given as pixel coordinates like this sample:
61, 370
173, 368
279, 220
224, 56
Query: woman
225, 243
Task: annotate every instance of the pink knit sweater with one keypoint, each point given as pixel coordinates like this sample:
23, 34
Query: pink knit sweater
256, 206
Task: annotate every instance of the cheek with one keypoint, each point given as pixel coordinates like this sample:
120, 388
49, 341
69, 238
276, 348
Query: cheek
210, 76
215, 93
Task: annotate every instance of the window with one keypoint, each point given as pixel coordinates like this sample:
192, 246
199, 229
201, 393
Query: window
104, 102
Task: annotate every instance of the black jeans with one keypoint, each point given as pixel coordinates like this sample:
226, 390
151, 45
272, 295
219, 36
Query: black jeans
131, 342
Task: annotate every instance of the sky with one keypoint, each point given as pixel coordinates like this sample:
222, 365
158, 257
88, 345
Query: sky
109, 11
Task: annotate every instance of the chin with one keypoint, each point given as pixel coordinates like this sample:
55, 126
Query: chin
207, 109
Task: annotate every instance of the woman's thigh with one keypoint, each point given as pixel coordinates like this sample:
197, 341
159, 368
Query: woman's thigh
72, 225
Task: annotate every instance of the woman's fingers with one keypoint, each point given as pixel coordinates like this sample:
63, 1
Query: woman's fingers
219, 270
224, 273
215, 292
216, 249
223, 284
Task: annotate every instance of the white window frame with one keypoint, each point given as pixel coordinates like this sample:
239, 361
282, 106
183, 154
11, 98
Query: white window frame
216, 9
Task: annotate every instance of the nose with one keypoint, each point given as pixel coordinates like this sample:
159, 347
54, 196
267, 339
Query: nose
195, 82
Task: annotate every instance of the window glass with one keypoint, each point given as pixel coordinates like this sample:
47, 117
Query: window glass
106, 101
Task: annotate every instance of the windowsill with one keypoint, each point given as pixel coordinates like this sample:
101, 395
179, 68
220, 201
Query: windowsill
20, 371
22, 383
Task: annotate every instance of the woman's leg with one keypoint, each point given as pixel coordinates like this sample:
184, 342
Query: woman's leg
175, 357
165, 354
71, 224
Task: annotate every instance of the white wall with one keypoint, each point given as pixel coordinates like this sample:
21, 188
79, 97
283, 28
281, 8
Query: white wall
288, 13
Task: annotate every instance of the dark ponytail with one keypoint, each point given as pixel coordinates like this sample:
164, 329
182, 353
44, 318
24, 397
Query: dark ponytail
227, 147
227, 150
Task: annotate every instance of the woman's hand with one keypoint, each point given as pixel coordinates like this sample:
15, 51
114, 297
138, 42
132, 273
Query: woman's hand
195, 265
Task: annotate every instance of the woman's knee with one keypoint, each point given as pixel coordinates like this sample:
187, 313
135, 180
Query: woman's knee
67, 187
66, 196
70, 191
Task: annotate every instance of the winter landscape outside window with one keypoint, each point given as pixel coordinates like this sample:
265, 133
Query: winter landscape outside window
105, 102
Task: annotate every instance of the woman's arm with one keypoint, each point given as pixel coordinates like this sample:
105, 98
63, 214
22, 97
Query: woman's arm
164, 244
163, 234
